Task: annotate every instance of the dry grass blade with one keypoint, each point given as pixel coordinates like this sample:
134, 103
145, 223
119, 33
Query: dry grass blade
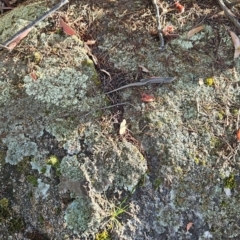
144, 69
14, 43
90, 42
236, 43
123, 127
194, 31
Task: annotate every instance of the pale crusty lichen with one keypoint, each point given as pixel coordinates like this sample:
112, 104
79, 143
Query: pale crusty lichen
105, 163
83, 214
18, 148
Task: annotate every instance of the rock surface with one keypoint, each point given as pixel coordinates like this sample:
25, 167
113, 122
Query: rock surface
66, 173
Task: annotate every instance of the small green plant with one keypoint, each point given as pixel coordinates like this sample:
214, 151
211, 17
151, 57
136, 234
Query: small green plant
229, 182
13, 222
114, 214
156, 183
33, 180
209, 81
37, 57
104, 235
54, 162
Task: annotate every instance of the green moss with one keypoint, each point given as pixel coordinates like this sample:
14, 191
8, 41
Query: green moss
229, 182
157, 183
221, 115
41, 219
215, 142
4, 203
235, 112
57, 210
15, 224
104, 235
4, 210
30, 194
24, 165
43, 170
88, 63
2, 157
37, 57
33, 180
199, 161
53, 161
209, 81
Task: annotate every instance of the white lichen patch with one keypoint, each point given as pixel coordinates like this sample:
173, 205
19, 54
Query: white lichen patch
60, 87
42, 189
83, 214
18, 148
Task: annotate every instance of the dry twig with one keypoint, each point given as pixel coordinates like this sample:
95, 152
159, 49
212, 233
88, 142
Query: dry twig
232, 4
30, 25
159, 28
229, 14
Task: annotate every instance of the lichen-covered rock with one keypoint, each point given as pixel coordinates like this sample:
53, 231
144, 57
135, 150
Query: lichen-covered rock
187, 134
18, 148
45, 95
82, 215
104, 162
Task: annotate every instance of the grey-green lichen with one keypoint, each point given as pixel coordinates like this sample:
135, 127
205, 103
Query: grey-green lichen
82, 214
105, 163
18, 148
70, 167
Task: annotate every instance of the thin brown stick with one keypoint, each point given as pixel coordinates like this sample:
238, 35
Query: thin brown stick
229, 14
232, 4
52, 10
159, 28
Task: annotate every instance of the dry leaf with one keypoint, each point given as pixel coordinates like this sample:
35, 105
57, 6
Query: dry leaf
238, 135
144, 69
123, 127
189, 225
33, 76
200, 81
14, 43
67, 29
90, 42
179, 7
147, 98
106, 72
194, 31
167, 30
236, 43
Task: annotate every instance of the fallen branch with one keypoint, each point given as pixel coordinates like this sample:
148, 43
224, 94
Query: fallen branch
30, 25
229, 14
232, 4
159, 28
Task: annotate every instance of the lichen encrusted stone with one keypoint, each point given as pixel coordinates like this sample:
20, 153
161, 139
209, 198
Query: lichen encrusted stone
104, 162
48, 91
